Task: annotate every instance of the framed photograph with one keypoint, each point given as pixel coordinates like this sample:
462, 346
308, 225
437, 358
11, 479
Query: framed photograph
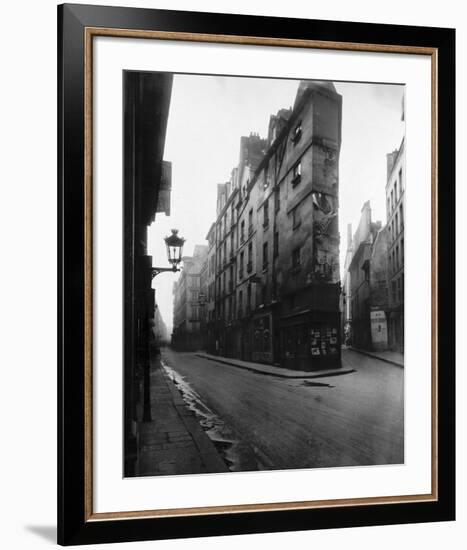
256, 274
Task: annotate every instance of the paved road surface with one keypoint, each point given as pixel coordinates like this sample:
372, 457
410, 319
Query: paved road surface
281, 423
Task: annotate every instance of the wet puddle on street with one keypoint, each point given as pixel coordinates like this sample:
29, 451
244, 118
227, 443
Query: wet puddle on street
237, 455
308, 383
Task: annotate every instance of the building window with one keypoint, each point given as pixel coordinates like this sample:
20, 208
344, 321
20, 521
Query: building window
265, 255
194, 295
392, 199
249, 266
242, 231
240, 270
397, 256
266, 213
395, 192
296, 217
401, 183
231, 278
296, 258
266, 178
401, 213
232, 244
248, 305
195, 313
225, 251
402, 252
394, 291
264, 291
397, 223
277, 199
296, 174
276, 243
389, 207
297, 133
250, 221
366, 271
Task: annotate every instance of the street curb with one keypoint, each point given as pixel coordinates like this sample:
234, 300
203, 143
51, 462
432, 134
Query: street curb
317, 374
374, 356
207, 450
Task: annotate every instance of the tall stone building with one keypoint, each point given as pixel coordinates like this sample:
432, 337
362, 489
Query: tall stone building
188, 314
276, 240
367, 279
395, 207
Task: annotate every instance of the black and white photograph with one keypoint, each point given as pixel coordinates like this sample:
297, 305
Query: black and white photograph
263, 273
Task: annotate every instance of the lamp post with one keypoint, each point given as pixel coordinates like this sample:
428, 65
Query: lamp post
174, 245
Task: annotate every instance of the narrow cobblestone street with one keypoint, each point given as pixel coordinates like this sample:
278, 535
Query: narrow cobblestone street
353, 419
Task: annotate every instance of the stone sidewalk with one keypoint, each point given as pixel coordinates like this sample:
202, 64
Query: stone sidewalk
274, 371
393, 357
173, 442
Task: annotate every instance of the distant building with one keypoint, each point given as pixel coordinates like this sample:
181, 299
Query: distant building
367, 283
395, 207
188, 315
161, 334
274, 282
346, 296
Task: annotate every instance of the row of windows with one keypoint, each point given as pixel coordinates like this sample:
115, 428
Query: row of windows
397, 224
222, 254
396, 257
396, 192
225, 284
397, 290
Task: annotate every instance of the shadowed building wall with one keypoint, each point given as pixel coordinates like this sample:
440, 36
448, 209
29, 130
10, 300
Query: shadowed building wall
146, 190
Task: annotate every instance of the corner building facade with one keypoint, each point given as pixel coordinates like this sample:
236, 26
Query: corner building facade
276, 279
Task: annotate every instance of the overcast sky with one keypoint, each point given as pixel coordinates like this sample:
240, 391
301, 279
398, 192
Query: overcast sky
207, 117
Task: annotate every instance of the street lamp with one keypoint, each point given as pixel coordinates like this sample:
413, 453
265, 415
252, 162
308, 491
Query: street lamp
174, 245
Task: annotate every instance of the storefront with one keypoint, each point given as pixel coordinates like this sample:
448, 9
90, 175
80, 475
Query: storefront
310, 341
262, 338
